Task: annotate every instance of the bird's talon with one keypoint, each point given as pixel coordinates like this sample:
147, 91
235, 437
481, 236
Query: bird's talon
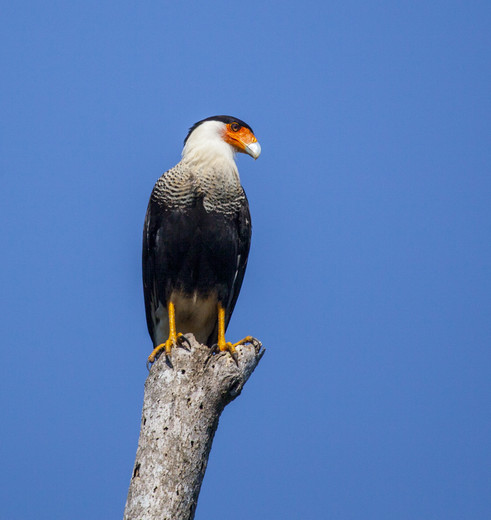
173, 341
155, 353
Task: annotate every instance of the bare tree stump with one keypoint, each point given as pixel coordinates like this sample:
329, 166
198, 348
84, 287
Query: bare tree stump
181, 407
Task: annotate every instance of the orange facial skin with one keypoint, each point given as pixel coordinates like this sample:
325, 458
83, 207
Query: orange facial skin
238, 137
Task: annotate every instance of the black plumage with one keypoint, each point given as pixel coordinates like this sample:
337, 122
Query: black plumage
191, 250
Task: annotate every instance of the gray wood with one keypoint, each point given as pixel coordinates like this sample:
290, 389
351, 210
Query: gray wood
181, 408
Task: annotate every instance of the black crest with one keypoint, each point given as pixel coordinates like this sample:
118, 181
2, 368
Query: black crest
223, 119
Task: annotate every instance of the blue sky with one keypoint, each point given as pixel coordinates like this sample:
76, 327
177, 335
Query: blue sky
369, 277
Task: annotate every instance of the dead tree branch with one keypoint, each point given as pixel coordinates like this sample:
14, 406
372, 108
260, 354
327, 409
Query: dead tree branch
181, 408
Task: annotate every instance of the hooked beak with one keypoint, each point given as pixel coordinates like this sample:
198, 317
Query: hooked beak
253, 149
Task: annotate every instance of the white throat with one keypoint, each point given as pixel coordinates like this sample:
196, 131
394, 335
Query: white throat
206, 149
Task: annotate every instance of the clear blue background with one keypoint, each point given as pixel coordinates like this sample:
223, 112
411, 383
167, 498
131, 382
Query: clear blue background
369, 276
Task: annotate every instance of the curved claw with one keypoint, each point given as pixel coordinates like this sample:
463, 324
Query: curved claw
157, 351
235, 356
155, 355
255, 343
181, 338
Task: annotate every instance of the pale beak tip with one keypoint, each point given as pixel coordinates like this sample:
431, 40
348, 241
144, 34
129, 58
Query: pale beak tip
254, 150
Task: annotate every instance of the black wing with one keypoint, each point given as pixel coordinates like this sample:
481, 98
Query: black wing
193, 250
167, 238
153, 220
242, 224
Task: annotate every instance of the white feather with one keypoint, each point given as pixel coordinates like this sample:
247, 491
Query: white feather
206, 148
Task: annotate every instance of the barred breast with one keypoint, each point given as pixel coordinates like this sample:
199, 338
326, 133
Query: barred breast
218, 187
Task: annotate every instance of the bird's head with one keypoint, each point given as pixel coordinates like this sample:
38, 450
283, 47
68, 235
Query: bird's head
220, 136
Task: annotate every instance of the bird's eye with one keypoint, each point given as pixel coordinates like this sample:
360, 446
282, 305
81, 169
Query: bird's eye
235, 126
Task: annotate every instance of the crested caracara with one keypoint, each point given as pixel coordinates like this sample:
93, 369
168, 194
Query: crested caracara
196, 238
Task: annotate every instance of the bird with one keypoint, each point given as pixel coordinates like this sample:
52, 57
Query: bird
196, 239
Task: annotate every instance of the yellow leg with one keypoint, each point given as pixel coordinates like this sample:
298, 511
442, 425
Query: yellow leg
226, 345
173, 338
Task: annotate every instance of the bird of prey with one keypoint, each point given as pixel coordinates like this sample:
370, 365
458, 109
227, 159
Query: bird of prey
196, 238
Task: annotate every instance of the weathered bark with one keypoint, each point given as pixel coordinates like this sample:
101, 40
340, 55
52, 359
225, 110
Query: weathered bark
181, 408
